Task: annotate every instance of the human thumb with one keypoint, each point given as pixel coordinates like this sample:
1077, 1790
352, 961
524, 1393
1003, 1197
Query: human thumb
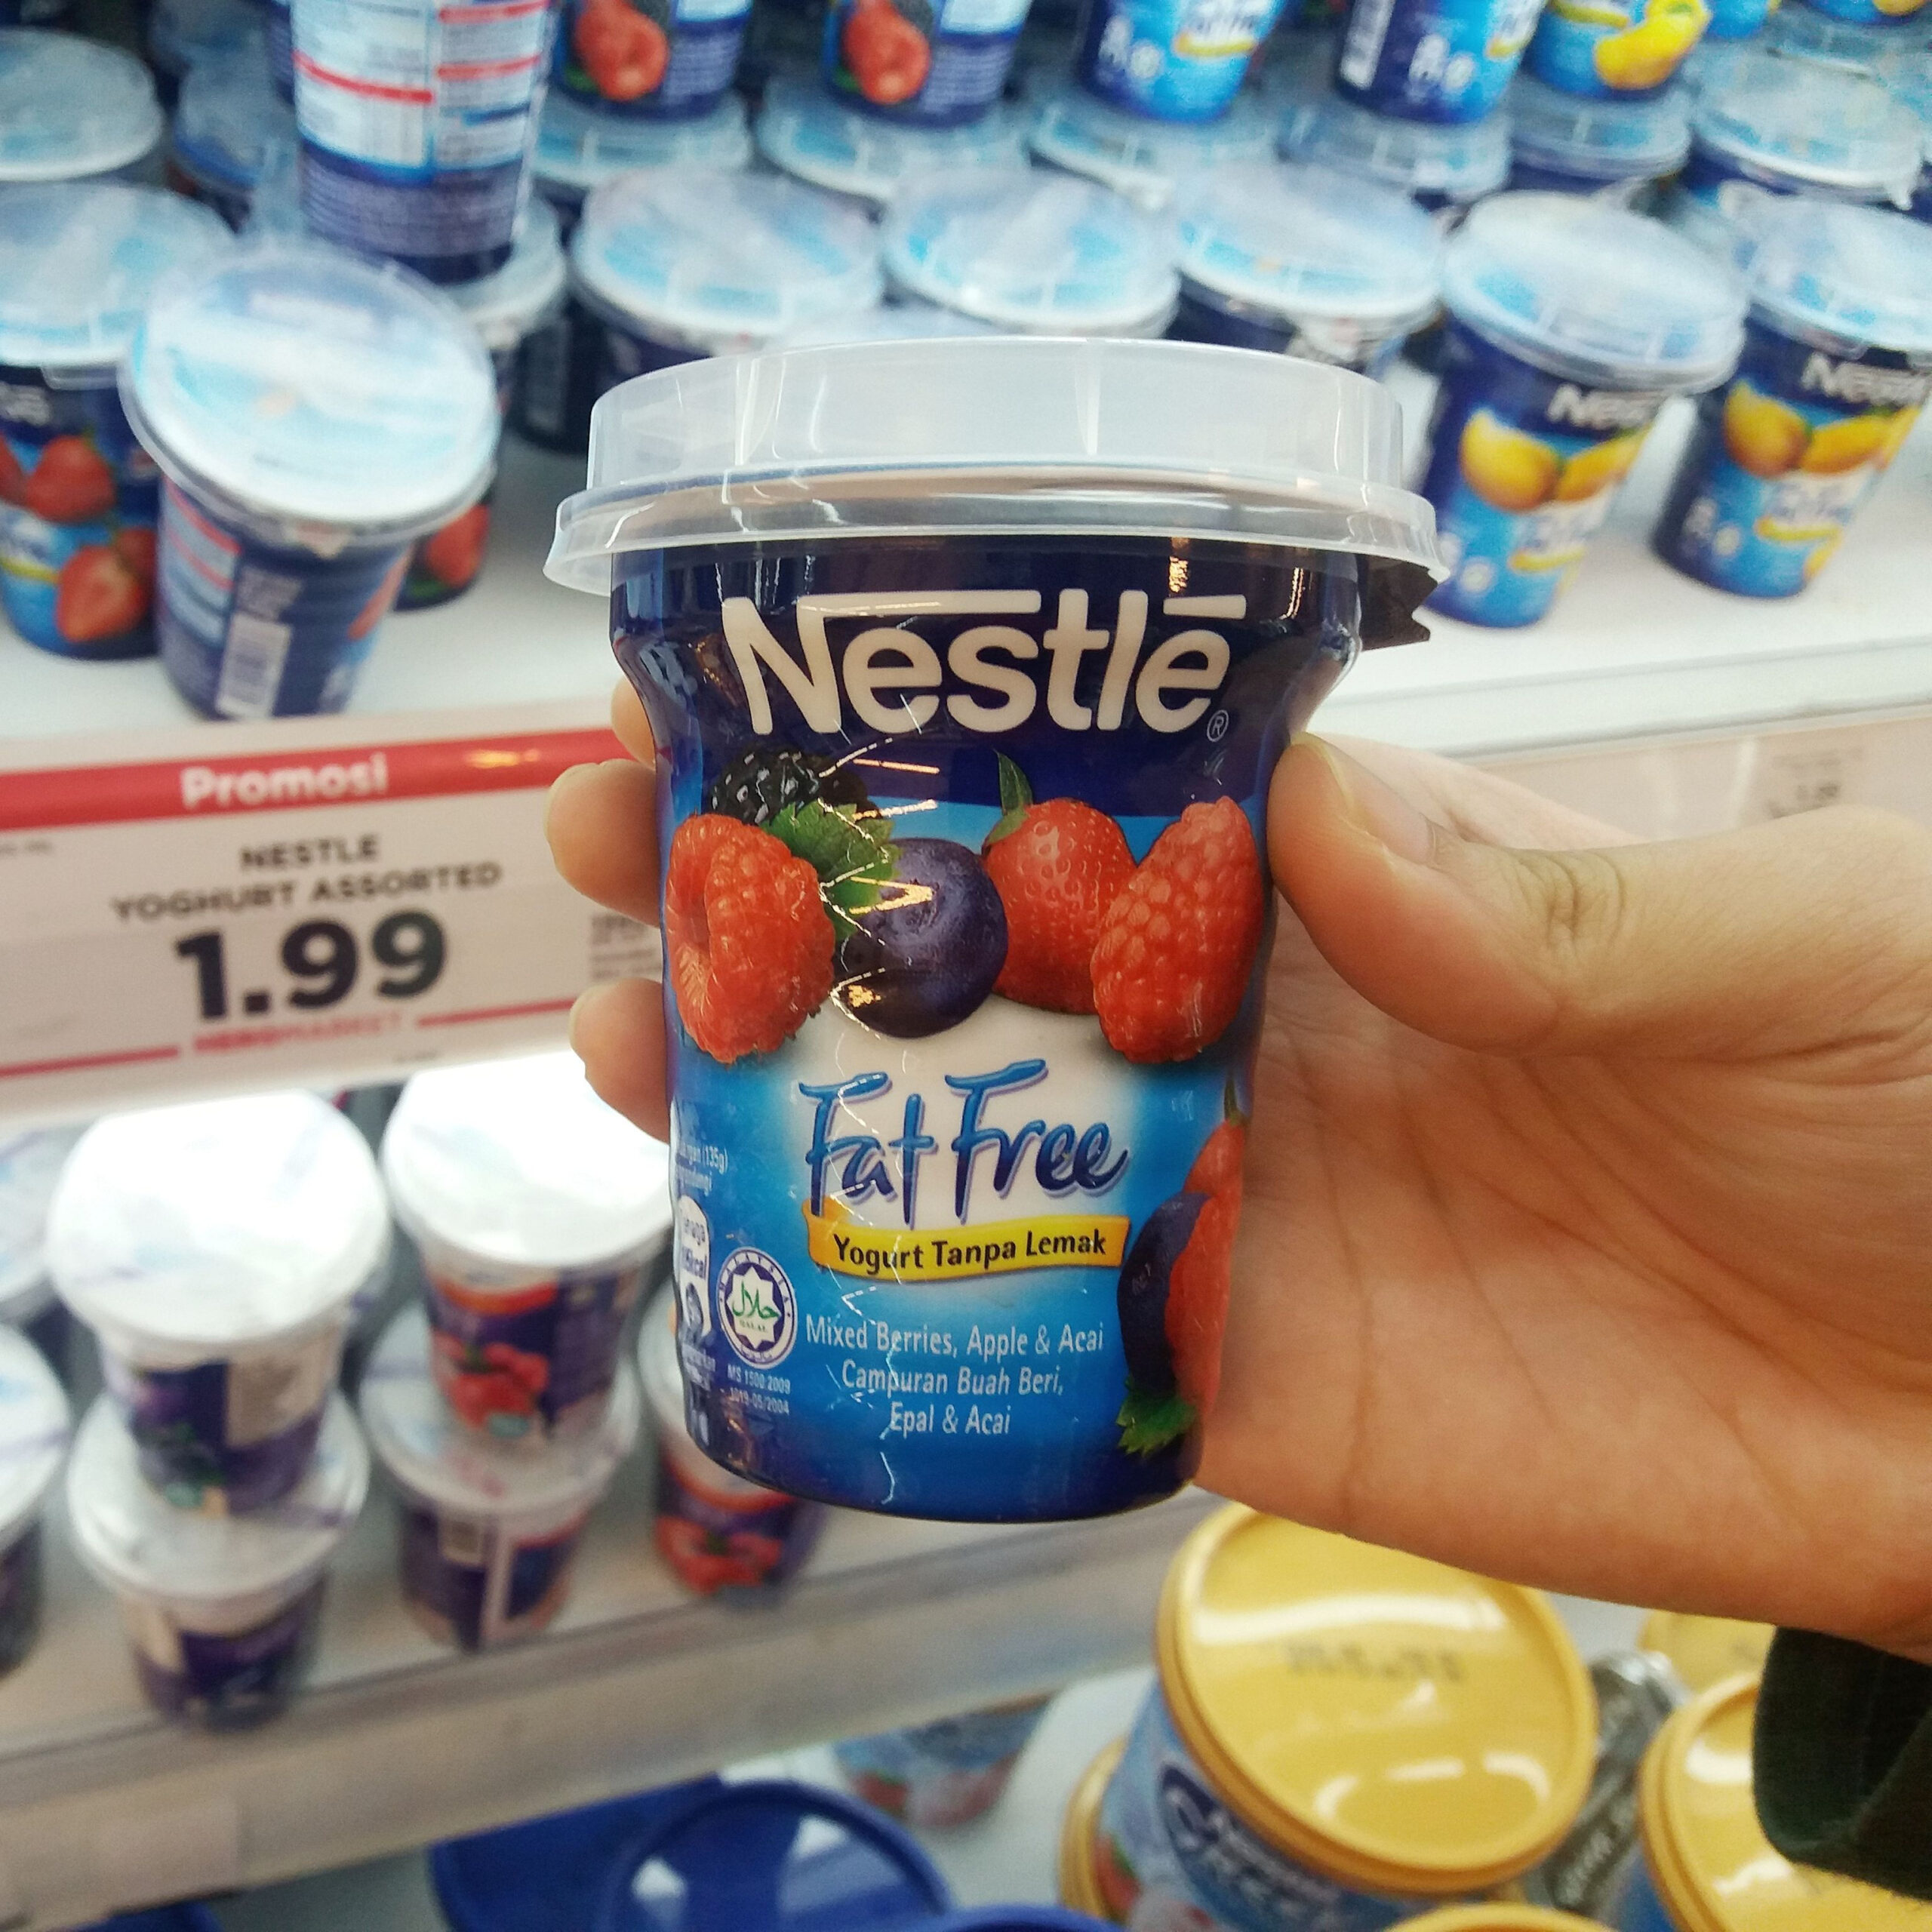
1781, 938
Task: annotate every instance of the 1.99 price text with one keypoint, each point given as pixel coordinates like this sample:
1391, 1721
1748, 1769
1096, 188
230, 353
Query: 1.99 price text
325, 959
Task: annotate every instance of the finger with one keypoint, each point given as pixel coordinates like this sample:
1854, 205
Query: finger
1782, 938
631, 724
601, 822
617, 1031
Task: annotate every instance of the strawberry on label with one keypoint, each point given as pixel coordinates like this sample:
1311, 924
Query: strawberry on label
72, 483
98, 595
889, 57
454, 554
625, 52
13, 478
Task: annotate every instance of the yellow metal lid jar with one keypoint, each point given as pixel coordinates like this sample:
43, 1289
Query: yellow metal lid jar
1707, 1866
1343, 1730
1705, 1651
1080, 1879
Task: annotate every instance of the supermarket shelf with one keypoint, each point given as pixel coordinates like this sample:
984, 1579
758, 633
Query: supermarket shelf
398, 1741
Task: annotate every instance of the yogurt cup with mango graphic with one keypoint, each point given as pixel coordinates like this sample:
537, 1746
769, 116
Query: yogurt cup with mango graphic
1615, 50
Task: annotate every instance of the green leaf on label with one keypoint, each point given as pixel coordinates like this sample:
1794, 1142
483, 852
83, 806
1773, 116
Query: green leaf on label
1016, 795
1149, 1423
853, 854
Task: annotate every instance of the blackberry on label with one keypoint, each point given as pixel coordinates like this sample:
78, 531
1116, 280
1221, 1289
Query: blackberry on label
759, 783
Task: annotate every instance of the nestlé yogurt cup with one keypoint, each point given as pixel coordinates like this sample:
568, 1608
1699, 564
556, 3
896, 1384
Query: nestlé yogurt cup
957, 1133
525, 294
221, 1614
1615, 50
79, 496
1300, 259
927, 63
672, 266
1891, 16
813, 136
947, 1772
1169, 60
313, 414
538, 1212
229, 125
1032, 253
33, 1440
214, 1248
1145, 160
1837, 362
1446, 169
1338, 1735
417, 123
30, 1163
1433, 60
183, 33
488, 1529
1706, 1865
71, 110
1611, 150
1570, 322
718, 1534
669, 59
1704, 1650
1881, 51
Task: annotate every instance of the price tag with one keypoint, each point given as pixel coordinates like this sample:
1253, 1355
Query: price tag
310, 913
1803, 771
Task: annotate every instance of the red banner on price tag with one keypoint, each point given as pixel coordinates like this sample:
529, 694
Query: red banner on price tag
312, 909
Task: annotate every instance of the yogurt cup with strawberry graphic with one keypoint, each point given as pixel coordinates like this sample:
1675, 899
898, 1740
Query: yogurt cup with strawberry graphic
489, 1530
927, 63
539, 1214
969, 662
78, 495
312, 415
215, 1249
671, 59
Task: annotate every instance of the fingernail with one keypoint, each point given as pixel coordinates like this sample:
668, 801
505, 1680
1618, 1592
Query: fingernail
572, 775
577, 1008
1378, 808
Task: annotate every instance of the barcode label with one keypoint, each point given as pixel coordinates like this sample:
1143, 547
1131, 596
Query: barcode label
1368, 28
253, 654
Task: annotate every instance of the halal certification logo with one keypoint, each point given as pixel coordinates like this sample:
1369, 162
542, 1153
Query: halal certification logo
756, 1308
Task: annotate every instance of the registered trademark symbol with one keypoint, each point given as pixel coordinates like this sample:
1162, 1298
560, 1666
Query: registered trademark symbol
1217, 728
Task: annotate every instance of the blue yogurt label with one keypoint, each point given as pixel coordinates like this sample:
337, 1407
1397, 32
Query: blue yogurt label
1433, 60
932, 64
1782, 459
1171, 60
672, 59
965, 917
1730, 183
1523, 468
1615, 50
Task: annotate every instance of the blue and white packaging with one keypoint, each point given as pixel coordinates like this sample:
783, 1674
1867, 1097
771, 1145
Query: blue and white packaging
71, 111
183, 33
925, 63
1615, 50
230, 128
1570, 322
313, 414
1446, 169
671, 59
1145, 160
1612, 150
1170, 60
1433, 60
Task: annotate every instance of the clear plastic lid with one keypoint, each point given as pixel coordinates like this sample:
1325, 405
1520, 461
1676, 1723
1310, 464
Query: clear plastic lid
1298, 239
183, 33
135, 1540
519, 1163
1458, 164
69, 108
718, 262
229, 118
1887, 48
34, 1423
1608, 140
888, 321
30, 1164
1594, 292
1862, 275
1037, 253
503, 307
992, 435
1825, 125
803, 130
577, 148
435, 1458
1146, 160
217, 1224
305, 387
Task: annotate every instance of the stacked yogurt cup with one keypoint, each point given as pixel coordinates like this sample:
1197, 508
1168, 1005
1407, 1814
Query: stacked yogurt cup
217, 1249
502, 1408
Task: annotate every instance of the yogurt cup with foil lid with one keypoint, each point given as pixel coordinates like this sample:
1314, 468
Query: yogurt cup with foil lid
221, 1614
1300, 259
71, 109
1609, 149
1035, 253
1706, 1865
577, 148
815, 137
1146, 160
537, 1210
1837, 365
1339, 1728
228, 126
488, 1530
1705, 1651
1446, 169
1571, 320
718, 1534
313, 414
30, 1163
33, 1440
214, 1248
